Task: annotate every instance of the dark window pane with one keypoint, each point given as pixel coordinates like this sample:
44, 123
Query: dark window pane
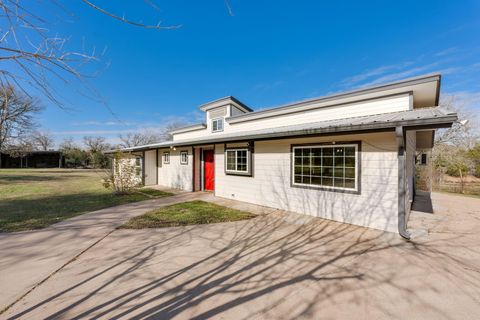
298, 161
328, 152
306, 152
298, 179
316, 161
338, 183
316, 152
328, 161
316, 171
350, 173
350, 183
338, 172
350, 151
298, 169
241, 167
349, 161
316, 180
306, 170
327, 171
339, 151
339, 162
298, 152
327, 182
306, 161
306, 179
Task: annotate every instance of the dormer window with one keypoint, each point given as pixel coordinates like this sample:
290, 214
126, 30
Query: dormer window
217, 125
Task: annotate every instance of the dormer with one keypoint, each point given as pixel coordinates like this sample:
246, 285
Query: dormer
216, 112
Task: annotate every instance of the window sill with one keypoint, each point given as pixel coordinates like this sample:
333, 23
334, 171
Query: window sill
242, 174
325, 188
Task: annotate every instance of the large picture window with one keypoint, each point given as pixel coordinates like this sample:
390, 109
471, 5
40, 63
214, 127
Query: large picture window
326, 166
237, 161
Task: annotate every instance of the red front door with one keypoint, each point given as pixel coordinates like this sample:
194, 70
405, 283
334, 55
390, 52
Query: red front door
208, 167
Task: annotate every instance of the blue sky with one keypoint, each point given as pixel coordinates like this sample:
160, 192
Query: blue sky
268, 53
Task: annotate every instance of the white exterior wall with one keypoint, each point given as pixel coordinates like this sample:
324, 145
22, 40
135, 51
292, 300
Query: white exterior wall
400, 102
150, 164
174, 174
376, 206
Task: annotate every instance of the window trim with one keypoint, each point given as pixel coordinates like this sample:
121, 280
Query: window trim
186, 159
358, 167
138, 174
223, 124
249, 171
165, 160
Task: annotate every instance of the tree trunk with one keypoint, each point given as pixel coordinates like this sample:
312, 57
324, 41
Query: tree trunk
461, 181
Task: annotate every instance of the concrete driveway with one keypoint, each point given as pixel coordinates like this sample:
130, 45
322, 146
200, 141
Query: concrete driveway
29, 257
278, 266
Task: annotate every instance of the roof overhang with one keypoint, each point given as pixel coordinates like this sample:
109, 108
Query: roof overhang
425, 139
230, 100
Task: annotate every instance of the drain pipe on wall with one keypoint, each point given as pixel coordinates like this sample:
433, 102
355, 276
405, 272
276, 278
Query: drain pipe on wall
402, 214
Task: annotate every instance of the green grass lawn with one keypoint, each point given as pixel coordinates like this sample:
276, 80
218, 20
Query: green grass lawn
187, 213
36, 198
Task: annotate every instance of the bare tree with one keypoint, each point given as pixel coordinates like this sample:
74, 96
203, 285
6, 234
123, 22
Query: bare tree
17, 117
68, 144
167, 136
462, 133
134, 139
43, 141
74, 155
96, 144
34, 55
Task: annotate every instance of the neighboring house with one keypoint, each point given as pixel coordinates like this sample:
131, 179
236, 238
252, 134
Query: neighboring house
33, 159
348, 157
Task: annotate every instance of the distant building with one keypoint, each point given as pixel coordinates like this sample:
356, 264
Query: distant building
33, 159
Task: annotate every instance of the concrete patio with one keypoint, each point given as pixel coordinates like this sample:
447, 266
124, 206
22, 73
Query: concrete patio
277, 265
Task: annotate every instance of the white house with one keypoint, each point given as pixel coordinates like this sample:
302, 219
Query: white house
348, 157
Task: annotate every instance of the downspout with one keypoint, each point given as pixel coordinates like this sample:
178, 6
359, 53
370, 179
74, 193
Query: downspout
143, 168
402, 214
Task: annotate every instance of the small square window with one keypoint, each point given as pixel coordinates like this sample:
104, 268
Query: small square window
217, 125
166, 157
184, 157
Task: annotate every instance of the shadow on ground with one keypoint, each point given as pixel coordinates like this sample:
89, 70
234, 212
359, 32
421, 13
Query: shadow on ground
272, 266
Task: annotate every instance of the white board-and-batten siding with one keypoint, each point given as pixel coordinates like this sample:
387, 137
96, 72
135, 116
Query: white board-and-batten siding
376, 206
174, 174
150, 163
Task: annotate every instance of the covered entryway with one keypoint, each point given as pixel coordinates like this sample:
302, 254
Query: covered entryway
209, 170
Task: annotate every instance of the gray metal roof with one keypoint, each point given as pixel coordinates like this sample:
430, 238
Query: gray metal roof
190, 127
431, 117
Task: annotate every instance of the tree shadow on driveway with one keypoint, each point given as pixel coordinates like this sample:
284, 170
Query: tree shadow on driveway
266, 267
